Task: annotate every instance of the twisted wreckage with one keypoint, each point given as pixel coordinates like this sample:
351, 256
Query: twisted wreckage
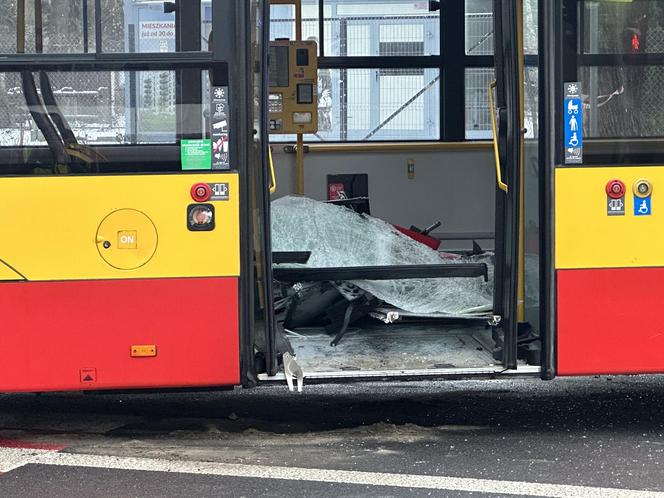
337, 267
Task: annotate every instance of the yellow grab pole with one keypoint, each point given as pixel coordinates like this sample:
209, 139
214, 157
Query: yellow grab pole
299, 147
299, 165
20, 27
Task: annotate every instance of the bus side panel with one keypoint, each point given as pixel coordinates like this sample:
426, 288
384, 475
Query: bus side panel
82, 335
610, 321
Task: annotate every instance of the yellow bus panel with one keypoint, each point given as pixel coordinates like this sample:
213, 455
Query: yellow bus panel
587, 236
115, 227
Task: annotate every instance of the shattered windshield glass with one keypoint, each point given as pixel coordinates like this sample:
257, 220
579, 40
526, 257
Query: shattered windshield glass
339, 237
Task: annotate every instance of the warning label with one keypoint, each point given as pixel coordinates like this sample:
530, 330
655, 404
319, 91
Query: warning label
88, 375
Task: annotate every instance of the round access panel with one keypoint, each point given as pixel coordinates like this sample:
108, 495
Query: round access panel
127, 239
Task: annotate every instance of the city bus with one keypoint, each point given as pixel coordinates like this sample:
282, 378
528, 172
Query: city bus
149, 240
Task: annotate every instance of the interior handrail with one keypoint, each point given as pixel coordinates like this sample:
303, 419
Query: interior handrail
499, 175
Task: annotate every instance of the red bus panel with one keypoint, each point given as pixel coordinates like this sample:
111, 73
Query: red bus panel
66, 336
610, 321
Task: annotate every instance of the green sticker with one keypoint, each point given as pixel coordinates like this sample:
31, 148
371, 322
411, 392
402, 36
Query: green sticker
196, 154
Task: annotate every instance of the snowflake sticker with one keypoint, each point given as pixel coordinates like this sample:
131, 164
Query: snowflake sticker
572, 88
219, 93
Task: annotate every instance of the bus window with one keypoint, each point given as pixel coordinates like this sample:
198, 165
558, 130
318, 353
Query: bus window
618, 53
624, 101
97, 116
145, 26
68, 27
137, 26
627, 27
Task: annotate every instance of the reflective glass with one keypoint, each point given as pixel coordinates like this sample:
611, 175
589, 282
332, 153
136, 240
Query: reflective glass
479, 27
89, 111
377, 104
623, 27
478, 118
385, 27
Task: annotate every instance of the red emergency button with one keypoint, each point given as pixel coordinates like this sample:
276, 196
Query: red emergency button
201, 192
615, 189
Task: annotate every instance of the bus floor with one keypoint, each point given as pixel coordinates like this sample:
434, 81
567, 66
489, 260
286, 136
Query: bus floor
373, 346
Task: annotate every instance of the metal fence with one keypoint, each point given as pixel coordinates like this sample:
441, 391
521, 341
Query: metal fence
407, 98
478, 118
479, 33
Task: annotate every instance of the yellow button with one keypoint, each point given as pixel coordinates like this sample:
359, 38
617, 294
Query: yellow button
127, 239
642, 188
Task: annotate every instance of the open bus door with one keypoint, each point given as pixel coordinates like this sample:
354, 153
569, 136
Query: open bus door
508, 271
262, 185
508, 148
605, 165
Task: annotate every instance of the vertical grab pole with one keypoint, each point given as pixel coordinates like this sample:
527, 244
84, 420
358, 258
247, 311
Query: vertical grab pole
521, 286
20, 27
299, 147
86, 37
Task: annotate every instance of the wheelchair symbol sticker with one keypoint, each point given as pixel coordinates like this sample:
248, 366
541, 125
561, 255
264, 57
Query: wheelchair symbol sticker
573, 123
574, 140
642, 206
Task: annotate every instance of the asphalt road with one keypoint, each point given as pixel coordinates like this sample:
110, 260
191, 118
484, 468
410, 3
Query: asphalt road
570, 437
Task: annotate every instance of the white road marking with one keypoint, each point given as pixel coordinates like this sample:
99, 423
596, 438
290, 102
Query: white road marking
12, 458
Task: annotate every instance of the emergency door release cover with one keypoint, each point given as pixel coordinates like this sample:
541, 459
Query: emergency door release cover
126, 239
293, 99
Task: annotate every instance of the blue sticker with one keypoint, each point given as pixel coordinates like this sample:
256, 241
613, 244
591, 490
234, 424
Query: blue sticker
573, 123
573, 120
642, 206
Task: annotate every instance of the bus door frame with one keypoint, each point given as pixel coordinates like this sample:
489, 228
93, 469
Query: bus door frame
509, 139
250, 153
550, 20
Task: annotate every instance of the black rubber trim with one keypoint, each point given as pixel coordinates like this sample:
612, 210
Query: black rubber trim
300, 257
381, 272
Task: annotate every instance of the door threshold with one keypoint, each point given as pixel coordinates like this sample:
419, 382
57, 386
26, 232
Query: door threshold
432, 373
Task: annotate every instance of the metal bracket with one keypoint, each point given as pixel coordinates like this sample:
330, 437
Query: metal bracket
292, 149
386, 317
292, 369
